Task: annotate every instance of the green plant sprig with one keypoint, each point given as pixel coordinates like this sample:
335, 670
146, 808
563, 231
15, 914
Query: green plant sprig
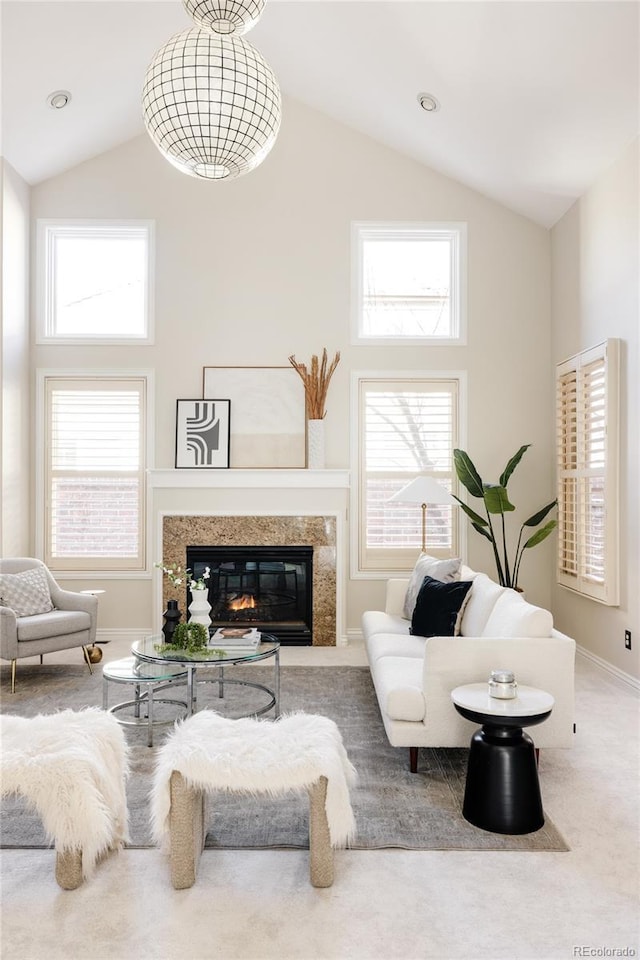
496, 502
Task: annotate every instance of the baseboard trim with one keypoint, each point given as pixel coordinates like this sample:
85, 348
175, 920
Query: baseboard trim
123, 633
353, 636
609, 668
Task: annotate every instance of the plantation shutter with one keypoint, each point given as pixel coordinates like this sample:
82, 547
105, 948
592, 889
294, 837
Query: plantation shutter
407, 428
587, 461
95, 473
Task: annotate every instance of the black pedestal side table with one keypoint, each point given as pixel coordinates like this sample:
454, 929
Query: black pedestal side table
502, 792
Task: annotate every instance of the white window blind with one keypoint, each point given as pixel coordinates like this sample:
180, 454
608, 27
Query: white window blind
409, 282
407, 427
587, 461
95, 473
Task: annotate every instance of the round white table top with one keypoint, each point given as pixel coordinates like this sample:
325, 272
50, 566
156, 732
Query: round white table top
529, 703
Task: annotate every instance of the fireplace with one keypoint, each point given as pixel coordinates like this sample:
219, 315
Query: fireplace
267, 587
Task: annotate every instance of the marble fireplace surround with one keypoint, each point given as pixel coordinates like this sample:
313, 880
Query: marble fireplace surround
320, 532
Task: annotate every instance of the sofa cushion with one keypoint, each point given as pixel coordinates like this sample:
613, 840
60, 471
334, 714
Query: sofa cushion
438, 607
376, 621
426, 566
482, 599
27, 593
514, 617
57, 623
394, 645
398, 683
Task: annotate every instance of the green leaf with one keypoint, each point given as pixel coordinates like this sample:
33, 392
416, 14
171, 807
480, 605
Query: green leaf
483, 531
540, 534
496, 499
513, 463
540, 515
475, 517
467, 473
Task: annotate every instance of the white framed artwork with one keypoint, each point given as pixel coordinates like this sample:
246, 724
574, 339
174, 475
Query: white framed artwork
268, 426
202, 434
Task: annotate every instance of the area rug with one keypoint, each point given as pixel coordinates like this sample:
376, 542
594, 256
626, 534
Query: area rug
393, 807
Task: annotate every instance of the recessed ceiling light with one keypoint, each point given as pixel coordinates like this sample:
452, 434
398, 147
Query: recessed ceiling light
428, 102
59, 99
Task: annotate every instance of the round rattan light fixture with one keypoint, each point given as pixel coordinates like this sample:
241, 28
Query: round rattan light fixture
225, 16
211, 104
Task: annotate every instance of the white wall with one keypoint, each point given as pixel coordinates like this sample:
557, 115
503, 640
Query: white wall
595, 295
251, 271
15, 441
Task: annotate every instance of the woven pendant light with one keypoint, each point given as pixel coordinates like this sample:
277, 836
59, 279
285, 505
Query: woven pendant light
225, 16
211, 104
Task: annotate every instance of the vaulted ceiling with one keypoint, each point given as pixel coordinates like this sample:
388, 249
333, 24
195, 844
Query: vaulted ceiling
537, 98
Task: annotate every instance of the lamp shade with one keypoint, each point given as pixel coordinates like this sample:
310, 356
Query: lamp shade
423, 490
211, 104
225, 16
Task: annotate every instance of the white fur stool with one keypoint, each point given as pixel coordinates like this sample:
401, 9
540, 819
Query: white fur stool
207, 752
71, 767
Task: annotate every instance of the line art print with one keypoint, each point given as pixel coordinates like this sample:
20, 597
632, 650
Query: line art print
202, 434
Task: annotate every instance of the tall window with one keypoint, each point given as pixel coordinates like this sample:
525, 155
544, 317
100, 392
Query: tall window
94, 281
587, 456
407, 427
94, 473
409, 282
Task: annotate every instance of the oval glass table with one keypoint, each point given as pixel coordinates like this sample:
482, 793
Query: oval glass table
152, 649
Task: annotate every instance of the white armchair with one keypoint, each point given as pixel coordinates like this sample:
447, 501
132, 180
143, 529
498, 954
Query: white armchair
71, 623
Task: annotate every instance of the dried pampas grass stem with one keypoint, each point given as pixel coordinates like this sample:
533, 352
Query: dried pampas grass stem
316, 382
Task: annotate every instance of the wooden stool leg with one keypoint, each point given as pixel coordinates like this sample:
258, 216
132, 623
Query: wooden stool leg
69, 869
320, 851
186, 830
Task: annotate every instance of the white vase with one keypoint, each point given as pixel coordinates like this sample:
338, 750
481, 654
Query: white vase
315, 444
200, 607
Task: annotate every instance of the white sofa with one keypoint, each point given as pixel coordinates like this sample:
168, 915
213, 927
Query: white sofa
414, 676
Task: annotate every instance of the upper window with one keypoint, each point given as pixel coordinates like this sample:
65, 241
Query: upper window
407, 427
94, 472
95, 281
587, 452
409, 282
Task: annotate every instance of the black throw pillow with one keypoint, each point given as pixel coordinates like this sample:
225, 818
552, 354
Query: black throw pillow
438, 606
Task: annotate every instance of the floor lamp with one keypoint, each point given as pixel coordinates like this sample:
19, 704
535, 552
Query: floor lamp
423, 490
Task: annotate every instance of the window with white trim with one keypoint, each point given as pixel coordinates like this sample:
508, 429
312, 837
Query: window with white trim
407, 427
95, 473
409, 282
95, 281
587, 459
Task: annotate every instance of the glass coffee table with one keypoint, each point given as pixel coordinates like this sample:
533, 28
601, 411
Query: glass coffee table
150, 649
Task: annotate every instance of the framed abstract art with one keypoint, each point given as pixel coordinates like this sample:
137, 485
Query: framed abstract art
202, 434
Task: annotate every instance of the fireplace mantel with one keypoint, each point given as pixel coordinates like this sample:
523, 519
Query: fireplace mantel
248, 479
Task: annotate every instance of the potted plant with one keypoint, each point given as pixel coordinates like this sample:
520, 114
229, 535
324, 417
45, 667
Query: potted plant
496, 504
190, 636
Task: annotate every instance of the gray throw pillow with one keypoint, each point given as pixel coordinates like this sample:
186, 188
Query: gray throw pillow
27, 593
444, 570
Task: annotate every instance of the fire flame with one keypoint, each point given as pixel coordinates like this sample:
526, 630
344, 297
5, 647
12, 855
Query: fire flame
244, 602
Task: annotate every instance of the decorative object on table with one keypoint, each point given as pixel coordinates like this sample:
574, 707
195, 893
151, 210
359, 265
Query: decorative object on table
211, 102
233, 638
503, 685
189, 636
202, 434
268, 427
423, 490
199, 608
316, 380
496, 503
171, 617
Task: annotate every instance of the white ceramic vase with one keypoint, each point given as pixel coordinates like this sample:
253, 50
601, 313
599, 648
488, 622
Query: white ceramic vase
199, 608
315, 444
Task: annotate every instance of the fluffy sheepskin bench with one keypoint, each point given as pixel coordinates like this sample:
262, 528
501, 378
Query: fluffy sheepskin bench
207, 752
71, 767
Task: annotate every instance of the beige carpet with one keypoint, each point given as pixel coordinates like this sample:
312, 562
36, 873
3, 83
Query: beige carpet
393, 807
